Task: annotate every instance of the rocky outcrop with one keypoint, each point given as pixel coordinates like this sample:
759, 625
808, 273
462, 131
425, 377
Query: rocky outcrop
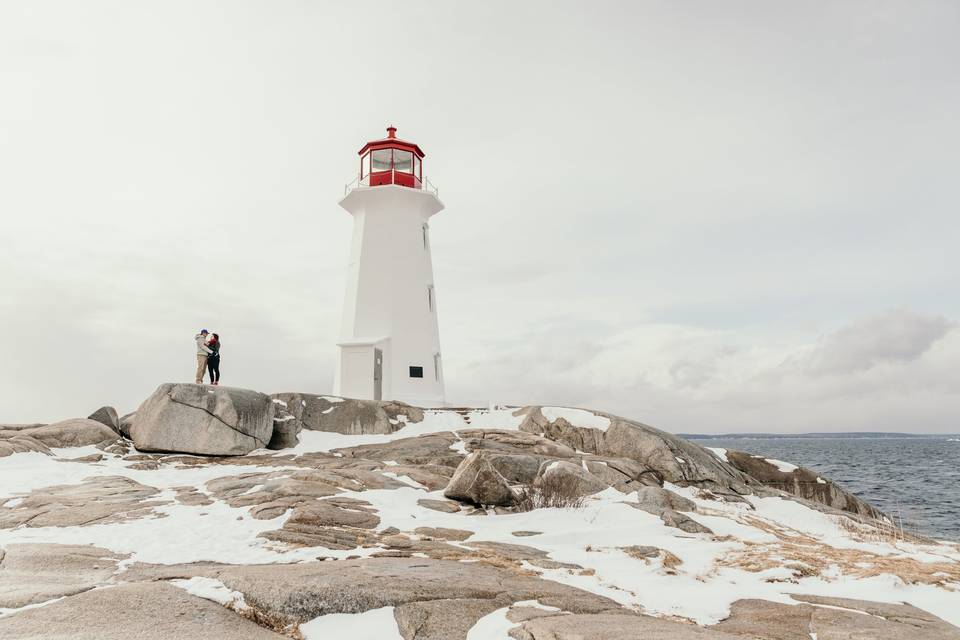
615, 626
657, 499
800, 481
98, 500
286, 427
77, 432
575, 480
662, 455
35, 573
477, 481
347, 416
669, 507
295, 593
107, 416
822, 617
126, 422
682, 521
204, 420
148, 610
16, 443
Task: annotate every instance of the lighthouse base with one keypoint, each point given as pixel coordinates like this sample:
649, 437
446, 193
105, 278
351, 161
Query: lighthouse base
366, 371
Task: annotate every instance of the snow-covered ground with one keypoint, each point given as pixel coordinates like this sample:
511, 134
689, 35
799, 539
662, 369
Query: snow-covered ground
700, 587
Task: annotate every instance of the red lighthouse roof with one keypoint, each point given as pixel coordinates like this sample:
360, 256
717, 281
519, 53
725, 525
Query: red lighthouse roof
391, 161
392, 142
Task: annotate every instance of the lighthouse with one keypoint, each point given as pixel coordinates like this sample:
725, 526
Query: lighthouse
389, 345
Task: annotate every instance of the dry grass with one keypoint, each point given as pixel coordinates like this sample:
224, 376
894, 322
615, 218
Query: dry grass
806, 556
553, 491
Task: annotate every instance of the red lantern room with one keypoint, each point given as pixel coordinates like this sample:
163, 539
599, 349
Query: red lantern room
391, 161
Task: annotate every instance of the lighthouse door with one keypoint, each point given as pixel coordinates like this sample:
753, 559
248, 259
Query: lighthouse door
377, 374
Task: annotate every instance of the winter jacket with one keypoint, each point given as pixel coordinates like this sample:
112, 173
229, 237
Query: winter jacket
214, 350
202, 348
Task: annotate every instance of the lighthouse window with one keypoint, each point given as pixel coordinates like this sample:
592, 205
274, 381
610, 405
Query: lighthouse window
365, 165
436, 366
381, 160
416, 166
426, 242
416, 372
403, 161
430, 296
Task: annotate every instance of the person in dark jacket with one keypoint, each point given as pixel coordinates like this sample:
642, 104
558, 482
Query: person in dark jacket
213, 360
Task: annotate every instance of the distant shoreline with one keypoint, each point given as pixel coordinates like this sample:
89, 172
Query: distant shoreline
850, 435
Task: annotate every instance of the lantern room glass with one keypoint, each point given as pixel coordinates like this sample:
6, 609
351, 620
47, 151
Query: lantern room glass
403, 161
380, 160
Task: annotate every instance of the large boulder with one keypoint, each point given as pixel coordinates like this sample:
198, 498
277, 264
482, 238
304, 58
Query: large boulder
203, 420
476, 480
106, 415
346, 415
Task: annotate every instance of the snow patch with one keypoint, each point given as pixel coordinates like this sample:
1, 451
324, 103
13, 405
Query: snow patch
785, 467
720, 452
407, 480
374, 624
576, 417
496, 626
212, 589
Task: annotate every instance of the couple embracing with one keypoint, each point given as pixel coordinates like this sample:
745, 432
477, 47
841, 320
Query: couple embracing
208, 356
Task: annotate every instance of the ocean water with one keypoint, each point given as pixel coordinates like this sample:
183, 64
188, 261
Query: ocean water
916, 479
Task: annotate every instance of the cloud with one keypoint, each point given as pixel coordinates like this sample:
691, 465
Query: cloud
691, 379
891, 337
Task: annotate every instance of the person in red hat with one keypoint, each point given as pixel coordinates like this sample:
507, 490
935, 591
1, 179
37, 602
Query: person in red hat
213, 360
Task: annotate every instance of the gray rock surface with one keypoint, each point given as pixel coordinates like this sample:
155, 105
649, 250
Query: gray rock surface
347, 416
205, 420
449, 619
615, 626
682, 521
833, 619
126, 422
581, 481
801, 482
286, 427
100, 499
35, 573
132, 611
448, 506
106, 415
77, 432
664, 456
657, 499
478, 482
15, 443
300, 592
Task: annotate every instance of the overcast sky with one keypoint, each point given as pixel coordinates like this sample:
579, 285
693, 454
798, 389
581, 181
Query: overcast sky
708, 216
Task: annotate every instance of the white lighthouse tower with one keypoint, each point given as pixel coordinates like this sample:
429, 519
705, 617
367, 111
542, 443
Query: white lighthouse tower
389, 345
